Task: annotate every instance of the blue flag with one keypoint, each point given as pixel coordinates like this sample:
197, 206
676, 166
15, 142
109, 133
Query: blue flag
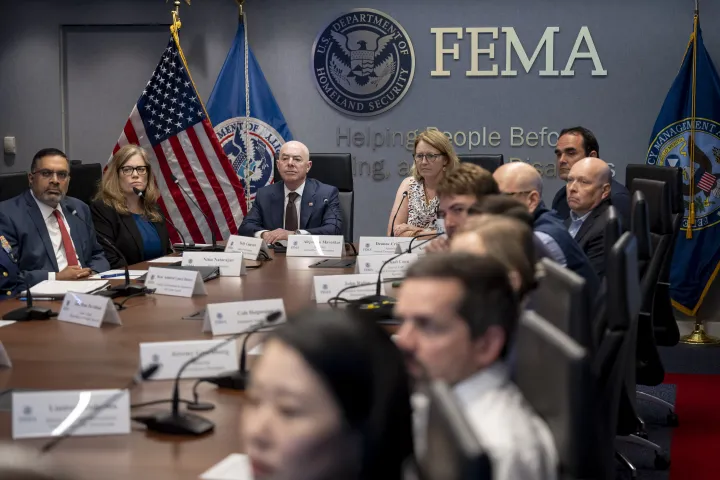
264, 129
687, 135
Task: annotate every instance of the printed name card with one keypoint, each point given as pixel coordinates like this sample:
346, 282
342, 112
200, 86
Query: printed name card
234, 317
51, 413
250, 247
172, 355
4, 357
328, 286
315, 246
231, 264
89, 310
394, 269
175, 282
379, 245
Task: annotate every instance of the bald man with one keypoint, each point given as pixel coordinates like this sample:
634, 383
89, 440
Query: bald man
588, 192
524, 183
296, 206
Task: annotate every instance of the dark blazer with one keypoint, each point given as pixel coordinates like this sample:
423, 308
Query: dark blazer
591, 237
123, 232
619, 198
10, 284
320, 212
24, 227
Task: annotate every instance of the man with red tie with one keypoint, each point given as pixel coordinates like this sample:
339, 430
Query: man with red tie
51, 235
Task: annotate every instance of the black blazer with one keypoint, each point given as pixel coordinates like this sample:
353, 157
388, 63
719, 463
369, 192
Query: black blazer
591, 237
123, 232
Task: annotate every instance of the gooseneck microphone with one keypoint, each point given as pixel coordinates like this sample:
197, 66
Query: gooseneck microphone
28, 312
214, 247
120, 290
392, 225
140, 377
141, 194
177, 423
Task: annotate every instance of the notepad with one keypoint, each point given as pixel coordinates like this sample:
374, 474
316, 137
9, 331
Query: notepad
118, 274
235, 466
165, 260
58, 288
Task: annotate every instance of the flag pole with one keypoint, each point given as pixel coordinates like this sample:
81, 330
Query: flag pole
698, 335
249, 150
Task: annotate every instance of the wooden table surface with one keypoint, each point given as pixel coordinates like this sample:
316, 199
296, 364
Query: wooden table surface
53, 355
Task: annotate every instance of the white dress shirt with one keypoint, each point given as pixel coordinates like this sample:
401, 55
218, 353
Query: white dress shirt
516, 439
576, 222
53, 229
298, 202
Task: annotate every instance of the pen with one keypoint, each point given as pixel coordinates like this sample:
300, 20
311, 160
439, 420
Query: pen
113, 275
39, 299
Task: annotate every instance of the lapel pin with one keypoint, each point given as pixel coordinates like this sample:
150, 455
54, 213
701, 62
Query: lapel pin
310, 204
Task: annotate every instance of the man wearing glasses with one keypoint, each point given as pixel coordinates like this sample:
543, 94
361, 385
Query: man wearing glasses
296, 206
51, 235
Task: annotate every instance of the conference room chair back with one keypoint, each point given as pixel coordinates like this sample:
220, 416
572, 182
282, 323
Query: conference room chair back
335, 169
489, 162
672, 176
84, 179
13, 184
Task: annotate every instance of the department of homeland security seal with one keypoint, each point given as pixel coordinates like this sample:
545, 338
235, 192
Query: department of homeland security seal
265, 142
672, 147
363, 62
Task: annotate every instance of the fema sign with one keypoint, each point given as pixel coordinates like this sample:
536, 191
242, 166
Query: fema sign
363, 62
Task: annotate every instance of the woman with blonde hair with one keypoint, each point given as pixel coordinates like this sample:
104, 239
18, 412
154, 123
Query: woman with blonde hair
434, 157
131, 221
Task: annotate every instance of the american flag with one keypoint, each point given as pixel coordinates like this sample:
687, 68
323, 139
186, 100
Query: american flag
170, 123
706, 181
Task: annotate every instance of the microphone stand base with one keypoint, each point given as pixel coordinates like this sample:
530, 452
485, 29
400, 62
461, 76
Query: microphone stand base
28, 313
377, 307
235, 380
180, 424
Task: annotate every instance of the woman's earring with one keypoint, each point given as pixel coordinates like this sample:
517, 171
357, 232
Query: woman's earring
444, 169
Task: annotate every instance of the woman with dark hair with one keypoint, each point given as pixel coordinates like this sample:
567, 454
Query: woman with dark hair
329, 399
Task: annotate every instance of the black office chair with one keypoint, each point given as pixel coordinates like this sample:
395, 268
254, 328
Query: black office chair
84, 180
670, 175
335, 169
564, 393
13, 184
489, 162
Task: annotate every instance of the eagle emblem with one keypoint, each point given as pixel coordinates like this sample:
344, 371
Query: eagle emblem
370, 65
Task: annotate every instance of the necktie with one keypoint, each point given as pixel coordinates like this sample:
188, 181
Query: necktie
66, 240
291, 220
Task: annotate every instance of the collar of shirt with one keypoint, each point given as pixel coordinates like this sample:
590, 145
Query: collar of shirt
574, 217
486, 380
46, 210
298, 190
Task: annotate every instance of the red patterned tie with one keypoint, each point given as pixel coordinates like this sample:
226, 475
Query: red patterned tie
67, 241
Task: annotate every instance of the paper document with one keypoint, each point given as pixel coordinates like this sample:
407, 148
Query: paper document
166, 260
235, 466
58, 288
5, 323
119, 274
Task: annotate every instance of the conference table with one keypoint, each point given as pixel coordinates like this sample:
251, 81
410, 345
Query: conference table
55, 355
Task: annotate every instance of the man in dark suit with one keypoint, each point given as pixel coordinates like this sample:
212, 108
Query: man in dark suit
588, 192
49, 232
297, 205
573, 145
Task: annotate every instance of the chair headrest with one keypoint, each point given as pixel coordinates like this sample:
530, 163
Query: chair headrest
489, 162
613, 228
640, 225
623, 284
657, 196
672, 176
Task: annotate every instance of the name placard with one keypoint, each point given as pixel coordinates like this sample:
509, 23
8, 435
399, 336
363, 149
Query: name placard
172, 355
328, 286
315, 246
175, 282
4, 357
234, 317
89, 310
394, 269
231, 264
379, 245
250, 247
51, 413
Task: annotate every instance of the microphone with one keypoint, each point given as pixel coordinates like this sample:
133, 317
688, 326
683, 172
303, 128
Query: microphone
120, 290
28, 312
214, 247
141, 376
238, 380
141, 194
392, 225
176, 423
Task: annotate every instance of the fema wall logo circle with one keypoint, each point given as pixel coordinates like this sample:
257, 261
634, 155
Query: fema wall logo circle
363, 62
264, 142
673, 147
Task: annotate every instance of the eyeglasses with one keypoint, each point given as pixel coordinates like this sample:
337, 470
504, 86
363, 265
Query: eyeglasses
62, 175
430, 157
127, 171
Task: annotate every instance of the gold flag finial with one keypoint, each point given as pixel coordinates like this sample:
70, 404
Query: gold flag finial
175, 27
240, 4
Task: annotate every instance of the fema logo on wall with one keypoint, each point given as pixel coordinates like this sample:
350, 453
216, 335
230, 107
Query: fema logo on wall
264, 141
363, 62
672, 147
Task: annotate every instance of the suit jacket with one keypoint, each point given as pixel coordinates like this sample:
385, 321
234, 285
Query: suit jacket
320, 212
10, 284
123, 232
24, 227
619, 198
591, 237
